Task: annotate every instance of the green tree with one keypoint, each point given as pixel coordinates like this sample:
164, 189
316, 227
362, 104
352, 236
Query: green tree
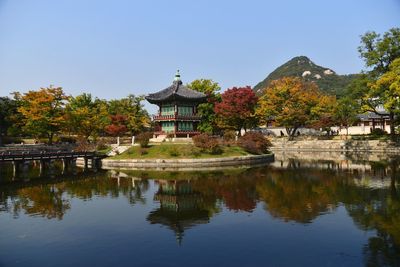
8, 108
86, 116
345, 113
208, 123
378, 53
43, 111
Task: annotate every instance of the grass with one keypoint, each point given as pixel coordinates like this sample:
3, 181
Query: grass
104, 150
177, 151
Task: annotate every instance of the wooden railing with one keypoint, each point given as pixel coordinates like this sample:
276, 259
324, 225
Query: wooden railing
178, 132
176, 117
45, 155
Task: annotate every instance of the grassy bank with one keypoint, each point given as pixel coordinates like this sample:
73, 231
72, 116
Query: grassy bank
177, 151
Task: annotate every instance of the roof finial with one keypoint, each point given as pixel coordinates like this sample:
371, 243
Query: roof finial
177, 76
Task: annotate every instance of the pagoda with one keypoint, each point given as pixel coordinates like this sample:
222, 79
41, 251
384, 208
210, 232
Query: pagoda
177, 113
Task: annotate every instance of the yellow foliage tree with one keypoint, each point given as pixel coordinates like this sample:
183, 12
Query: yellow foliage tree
293, 103
42, 111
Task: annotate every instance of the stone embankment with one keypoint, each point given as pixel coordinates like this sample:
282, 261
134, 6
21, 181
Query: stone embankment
187, 164
281, 144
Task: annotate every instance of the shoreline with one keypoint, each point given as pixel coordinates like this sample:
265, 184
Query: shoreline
188, 164
354, 146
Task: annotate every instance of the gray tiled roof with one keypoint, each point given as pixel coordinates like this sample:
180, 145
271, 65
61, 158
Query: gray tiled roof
371, 115
176, 91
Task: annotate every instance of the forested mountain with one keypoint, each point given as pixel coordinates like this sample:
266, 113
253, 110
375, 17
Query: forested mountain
326, 79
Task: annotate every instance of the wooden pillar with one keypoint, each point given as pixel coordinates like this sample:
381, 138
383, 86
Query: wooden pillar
73, 165
42, 167
15, 168
86, 163
51, 168
65, 165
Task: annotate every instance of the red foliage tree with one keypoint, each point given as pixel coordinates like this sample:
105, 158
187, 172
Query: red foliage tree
236, 111
117, 126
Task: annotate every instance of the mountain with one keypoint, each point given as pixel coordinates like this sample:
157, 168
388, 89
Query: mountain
326, 79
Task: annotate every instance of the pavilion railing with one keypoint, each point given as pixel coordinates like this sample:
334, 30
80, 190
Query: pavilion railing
176, 117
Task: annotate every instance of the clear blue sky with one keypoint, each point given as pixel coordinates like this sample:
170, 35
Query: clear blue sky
118, 47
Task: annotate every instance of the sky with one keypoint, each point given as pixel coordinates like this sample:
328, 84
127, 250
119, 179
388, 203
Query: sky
119, 47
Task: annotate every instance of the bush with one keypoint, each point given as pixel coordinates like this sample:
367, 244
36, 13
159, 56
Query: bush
170, 136
143, 151
229, 137
174, 152
207, 143
144, 138
254, 142
67, 139
378, 132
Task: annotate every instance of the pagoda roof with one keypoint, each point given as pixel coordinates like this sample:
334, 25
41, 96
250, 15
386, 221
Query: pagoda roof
371, 115
177, 91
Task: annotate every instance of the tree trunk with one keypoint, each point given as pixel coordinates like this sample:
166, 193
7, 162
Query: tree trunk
51, 138
392, 130
291, 132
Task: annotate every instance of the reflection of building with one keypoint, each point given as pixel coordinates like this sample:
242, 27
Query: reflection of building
180, 207
177, 112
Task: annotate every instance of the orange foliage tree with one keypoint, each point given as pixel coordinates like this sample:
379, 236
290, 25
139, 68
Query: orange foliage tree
293, 103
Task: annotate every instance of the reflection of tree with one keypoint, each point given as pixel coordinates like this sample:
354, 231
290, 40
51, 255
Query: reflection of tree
237, 191
49, 198
380, 210
46, 201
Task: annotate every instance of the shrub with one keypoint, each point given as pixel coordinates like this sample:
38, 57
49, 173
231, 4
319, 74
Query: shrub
173, 152
254, 142
170, 136
378, 132
67, 139
229, 137
207, 143
143, 151
144, 138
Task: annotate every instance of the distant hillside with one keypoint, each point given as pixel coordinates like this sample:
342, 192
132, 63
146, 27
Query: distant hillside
326, 79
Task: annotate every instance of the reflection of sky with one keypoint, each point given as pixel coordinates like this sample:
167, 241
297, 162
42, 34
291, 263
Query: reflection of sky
108, 231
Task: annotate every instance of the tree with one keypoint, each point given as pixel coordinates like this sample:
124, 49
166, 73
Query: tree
132, 108
346, 112
118, 125
292, 103
86, 116
208, 124
43, 111
323, 114
378, 53
236, 111
8, 107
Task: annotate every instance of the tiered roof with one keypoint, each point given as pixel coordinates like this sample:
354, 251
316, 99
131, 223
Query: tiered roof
176, 92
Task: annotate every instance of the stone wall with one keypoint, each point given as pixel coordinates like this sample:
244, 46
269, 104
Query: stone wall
282, 144
187, 164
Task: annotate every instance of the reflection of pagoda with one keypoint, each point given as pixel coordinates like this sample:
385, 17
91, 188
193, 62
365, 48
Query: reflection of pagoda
179, 207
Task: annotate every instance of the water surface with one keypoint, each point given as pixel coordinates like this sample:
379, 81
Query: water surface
290, 213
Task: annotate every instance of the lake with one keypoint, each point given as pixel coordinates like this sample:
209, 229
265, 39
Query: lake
289, 213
